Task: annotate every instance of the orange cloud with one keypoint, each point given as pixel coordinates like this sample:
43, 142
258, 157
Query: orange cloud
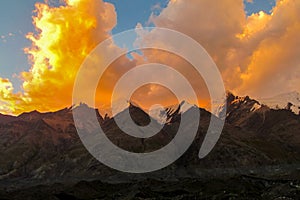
214, 26
274, 65
257, 55
66, 35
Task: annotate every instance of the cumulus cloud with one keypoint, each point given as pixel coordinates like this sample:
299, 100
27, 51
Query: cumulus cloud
257, 55
214, 26
274, 65
65, 36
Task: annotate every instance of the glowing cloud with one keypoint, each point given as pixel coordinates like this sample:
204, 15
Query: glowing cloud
274, 63
257, 55
65, 35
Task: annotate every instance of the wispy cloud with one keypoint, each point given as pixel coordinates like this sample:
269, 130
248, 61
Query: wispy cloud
7, 37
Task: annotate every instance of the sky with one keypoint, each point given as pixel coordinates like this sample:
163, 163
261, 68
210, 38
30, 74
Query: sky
254, 44
16, 22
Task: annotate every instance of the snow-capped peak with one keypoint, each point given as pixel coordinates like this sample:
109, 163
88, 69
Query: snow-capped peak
185, 106
161, 114
222, 109
281, 101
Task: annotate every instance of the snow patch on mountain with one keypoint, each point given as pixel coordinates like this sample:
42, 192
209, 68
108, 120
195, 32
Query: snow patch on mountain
281, 101
160, 113
222, 109
219, 110
255, 107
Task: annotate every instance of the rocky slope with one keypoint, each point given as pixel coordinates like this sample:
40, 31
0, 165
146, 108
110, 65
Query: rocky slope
45, 146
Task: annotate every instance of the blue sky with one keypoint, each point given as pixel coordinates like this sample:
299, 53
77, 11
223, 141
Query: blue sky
15, 22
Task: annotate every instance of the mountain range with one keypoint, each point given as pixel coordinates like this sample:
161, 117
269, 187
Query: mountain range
45, 147
284, 101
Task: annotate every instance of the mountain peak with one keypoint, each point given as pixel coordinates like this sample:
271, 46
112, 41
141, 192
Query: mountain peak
137, 114
233, 103
183, 102
33, 115
165, 114
34, 112
133, 104
85, 110
289, 100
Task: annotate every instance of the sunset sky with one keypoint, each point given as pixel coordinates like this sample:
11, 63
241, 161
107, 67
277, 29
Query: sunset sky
255, 44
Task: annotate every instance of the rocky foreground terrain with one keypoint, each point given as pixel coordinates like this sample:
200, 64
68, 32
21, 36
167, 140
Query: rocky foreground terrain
257, 157
239, 187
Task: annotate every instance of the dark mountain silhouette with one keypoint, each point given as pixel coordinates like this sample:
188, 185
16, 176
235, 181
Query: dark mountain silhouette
6, 118
45, 147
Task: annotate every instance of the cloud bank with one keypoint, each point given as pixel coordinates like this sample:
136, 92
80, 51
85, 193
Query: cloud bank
257, 55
